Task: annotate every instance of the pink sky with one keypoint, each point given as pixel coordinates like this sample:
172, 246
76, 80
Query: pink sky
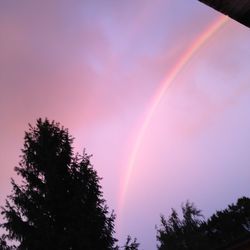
95, 66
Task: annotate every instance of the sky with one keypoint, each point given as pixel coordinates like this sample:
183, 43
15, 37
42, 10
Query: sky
97, 67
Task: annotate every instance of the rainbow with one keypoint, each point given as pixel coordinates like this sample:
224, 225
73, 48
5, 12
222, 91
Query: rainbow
157, 97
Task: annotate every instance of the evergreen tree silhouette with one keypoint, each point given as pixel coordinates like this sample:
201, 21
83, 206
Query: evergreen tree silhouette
59, 203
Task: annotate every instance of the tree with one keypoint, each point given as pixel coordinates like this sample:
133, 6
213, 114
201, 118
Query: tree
59, 203
230, 225
222, 230
131, 245
180, 234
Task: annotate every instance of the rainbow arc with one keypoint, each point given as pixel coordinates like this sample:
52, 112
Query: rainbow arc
158, 96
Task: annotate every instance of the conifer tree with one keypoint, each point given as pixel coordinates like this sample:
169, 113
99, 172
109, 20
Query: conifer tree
58, 204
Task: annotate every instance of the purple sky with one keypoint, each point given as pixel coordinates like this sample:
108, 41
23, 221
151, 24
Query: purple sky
94, 66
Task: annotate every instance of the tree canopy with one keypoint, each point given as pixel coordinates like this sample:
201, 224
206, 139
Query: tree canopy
179, 234
59, 203
221, 230
231, 225
131, 244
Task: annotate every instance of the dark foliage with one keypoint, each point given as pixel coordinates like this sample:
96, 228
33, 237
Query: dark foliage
223, 229
178, 234
4, 245
131, 245
59, 203
231, 225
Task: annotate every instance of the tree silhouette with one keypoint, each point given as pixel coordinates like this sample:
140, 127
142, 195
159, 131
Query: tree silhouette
223, 229
230, 225
59, 203
131, 245
180, 234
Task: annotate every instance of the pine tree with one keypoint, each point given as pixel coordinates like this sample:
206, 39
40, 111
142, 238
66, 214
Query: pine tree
59, 203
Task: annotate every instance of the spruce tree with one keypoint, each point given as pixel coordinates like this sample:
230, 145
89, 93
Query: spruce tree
58, 203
